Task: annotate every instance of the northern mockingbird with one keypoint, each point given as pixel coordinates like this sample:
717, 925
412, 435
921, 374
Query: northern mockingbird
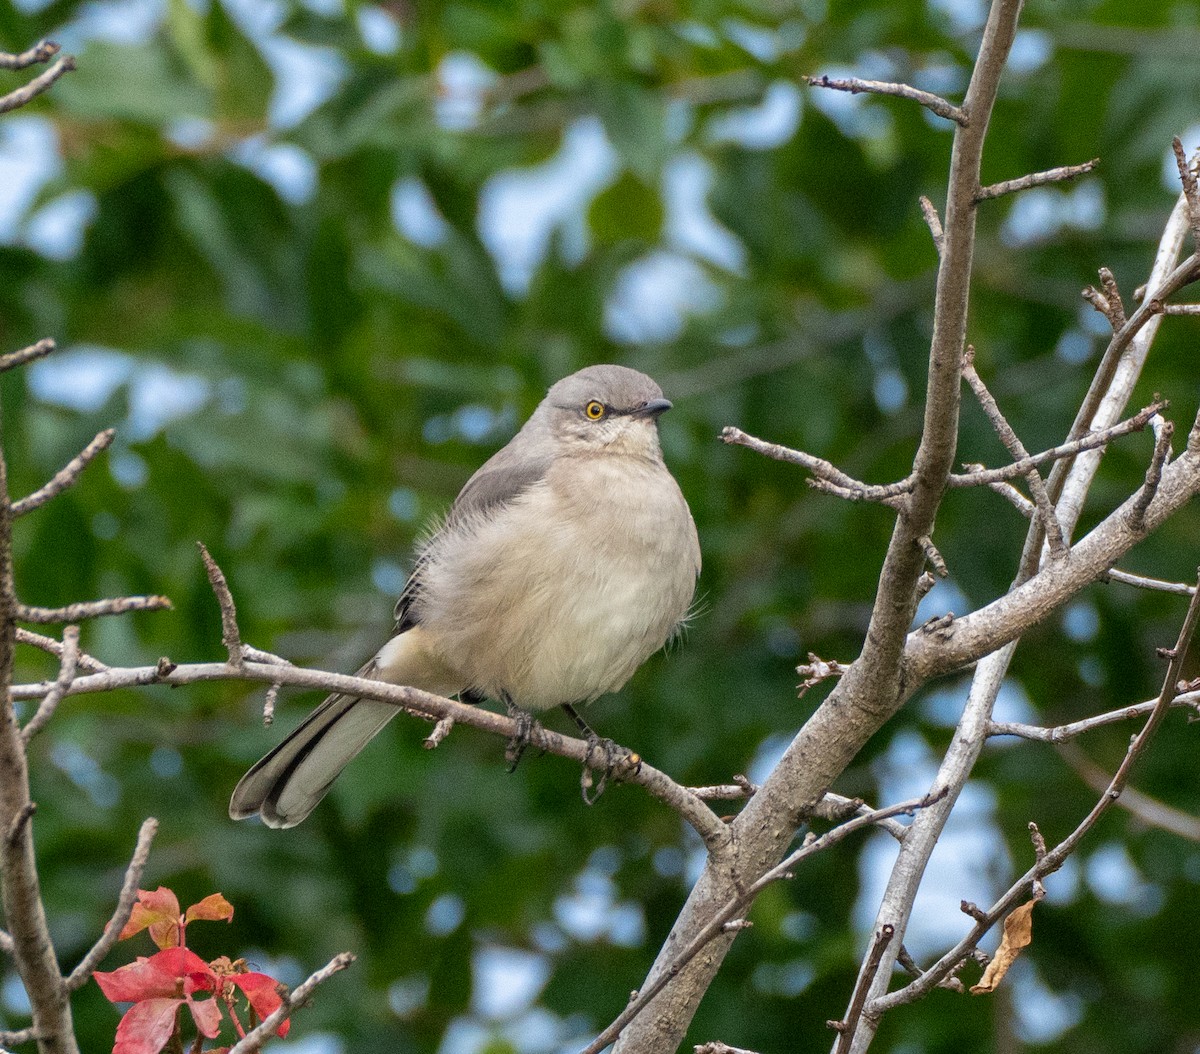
566, 561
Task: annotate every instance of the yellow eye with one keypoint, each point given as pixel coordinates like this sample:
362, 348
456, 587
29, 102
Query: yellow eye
594, 410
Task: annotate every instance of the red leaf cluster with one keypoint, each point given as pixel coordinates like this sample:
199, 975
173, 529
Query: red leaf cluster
159, 985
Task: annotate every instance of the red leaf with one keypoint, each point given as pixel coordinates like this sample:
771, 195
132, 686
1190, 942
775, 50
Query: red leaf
263, 993
207, 1015
158, 912
173, 972
146, 1027
214, 907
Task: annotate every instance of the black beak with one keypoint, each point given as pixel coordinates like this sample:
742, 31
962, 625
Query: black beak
653, 408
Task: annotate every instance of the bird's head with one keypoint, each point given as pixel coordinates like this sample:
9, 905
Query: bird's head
608, 409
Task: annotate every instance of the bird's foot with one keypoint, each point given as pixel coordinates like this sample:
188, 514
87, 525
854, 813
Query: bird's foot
528, 733
607, 758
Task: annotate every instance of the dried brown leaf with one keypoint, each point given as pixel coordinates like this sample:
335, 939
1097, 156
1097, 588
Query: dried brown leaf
1018, 932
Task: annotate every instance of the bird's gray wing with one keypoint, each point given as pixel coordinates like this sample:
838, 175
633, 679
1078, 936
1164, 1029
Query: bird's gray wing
506, 475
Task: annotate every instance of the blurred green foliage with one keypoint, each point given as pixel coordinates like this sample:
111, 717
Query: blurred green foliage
306, 382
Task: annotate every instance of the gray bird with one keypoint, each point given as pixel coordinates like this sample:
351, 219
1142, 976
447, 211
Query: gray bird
566, 561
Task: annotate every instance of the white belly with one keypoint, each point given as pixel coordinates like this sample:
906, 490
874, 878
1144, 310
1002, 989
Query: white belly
561, 595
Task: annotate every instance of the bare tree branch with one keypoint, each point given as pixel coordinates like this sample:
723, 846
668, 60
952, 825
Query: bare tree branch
833, 480
20, 96
706, 823
1053, 860
257, 1036
855, 85
55, 648
847, 1027
66, 674
43, 51
1062, 733
1016, 448
1191, 189
32, 947
91, 609
230, 636
1163, 430
1036, 179
735, 906
1142, 582
65, 477
19, 358
124, 909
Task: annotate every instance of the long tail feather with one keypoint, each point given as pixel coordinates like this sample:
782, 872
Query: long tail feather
286, 785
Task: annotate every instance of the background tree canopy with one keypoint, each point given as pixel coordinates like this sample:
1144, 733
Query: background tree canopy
317, 261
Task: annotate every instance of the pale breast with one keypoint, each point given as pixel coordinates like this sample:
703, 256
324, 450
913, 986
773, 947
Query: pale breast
560, 595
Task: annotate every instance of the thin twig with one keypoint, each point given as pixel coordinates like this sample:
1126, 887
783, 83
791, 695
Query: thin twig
855, 85
1191, 189
1035, 179
832, 479
230, 636
18, 97
1142, 582
269, 699
1163, 430
1039, 855
1054, 859
43, 51
933, 556
65, 477
91, 609
66, 674
1013, 444
1090, 441
819, 467
1098, 300
120, 916
34, 351
718, 1047
1062, 733
54, 647
735, 907
257, 1036
17, 1038
847, 1026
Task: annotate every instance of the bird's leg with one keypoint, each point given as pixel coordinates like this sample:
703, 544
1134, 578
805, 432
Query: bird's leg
528, 732
613, 756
